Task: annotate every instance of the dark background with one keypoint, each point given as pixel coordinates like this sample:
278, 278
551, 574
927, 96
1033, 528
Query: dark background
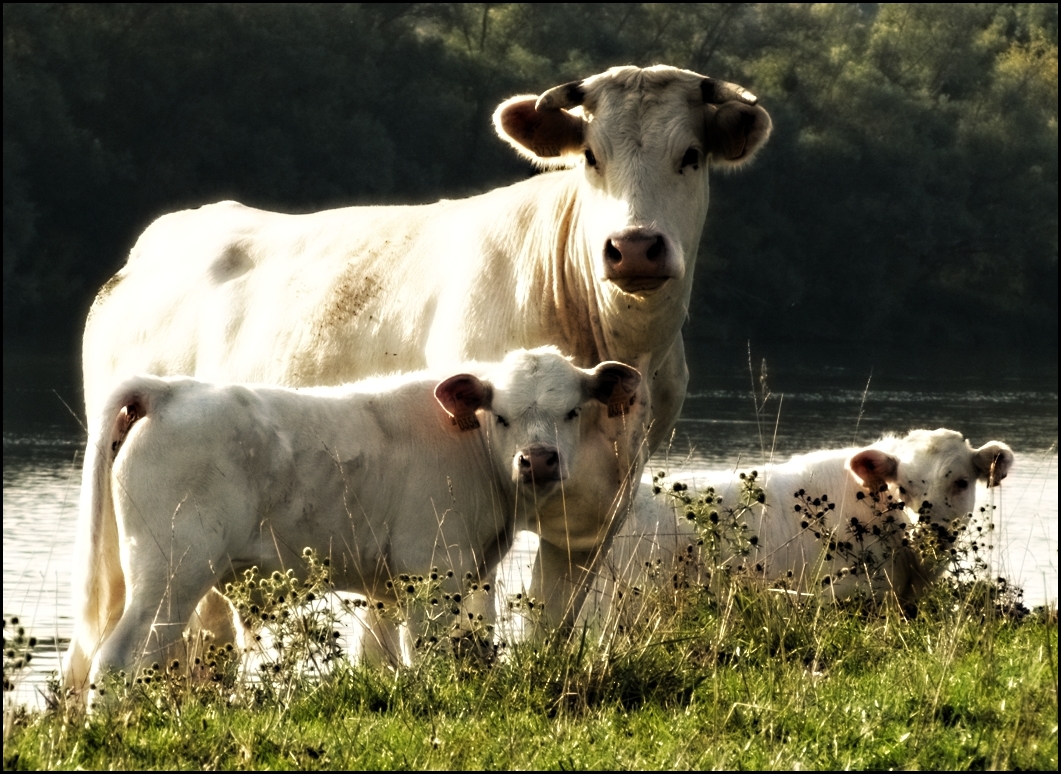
907, 199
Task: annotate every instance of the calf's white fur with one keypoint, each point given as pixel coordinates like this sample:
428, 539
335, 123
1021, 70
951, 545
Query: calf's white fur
190, 483
845, 519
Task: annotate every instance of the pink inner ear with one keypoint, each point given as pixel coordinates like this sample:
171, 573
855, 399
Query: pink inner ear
993, 461
615, 383
546, 133
461, 395
873, 466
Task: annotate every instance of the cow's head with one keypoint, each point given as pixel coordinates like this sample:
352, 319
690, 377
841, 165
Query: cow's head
938, 468
644, 138
529, 409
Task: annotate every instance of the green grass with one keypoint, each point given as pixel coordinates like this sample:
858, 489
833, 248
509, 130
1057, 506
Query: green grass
731, 675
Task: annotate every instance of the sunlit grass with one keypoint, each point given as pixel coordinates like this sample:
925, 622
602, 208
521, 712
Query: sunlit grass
730, 673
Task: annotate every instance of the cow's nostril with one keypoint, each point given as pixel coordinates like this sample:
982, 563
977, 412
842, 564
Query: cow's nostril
553, 460
655, 252
524, 462
611, 252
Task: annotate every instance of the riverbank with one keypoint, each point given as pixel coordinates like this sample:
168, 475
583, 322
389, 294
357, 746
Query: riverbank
735, 676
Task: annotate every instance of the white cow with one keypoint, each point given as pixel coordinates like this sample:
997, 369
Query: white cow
595, 258
385, 477
888, 512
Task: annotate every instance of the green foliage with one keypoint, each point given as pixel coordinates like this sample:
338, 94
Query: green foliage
901, 145
724, 531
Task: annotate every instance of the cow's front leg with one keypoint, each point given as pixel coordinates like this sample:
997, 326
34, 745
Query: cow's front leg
668, 386
382, 641
560, 581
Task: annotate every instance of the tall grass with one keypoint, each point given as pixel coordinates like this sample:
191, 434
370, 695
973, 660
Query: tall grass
716, 669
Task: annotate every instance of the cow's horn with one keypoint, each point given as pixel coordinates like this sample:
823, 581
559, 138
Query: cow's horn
716, 92
567, 95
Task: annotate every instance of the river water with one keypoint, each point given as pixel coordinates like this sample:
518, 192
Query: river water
812, 400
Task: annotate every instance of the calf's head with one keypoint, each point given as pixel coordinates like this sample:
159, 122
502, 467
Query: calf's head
529, 408
933, 472
644, 138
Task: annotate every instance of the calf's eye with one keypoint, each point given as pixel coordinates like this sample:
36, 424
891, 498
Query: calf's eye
573, 413
502, 421
961, 483
590, 158
691, 159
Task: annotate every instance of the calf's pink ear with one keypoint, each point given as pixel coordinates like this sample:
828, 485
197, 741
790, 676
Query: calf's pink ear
873, 468
538, 134
992, 462
615, 385
461, 396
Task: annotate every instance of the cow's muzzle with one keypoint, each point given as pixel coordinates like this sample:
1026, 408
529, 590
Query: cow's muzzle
638, 260
539, 467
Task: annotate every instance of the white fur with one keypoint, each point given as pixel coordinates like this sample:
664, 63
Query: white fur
212, 479
231, 293
938, 467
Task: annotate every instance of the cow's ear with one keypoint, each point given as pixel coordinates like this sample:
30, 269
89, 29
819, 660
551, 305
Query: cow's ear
873, 468
461, 396
734, 131
615, 385
542, 135
992, 462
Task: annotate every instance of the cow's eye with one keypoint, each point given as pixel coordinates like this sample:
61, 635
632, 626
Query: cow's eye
691, 159
573, 413
502, 421
590, 158
961, 483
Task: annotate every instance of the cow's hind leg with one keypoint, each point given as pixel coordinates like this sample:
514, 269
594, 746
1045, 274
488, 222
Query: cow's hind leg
151, 630
215, 624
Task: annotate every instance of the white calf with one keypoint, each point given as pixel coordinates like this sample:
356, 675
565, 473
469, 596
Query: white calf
888, 512
384, 477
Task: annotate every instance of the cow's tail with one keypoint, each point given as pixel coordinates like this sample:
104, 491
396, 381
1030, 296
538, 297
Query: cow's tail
98, 580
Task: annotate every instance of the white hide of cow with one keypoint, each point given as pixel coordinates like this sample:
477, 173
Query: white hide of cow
399, 475
910, 497
595, 258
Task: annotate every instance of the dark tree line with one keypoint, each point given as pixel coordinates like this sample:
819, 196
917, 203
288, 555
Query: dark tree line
909, 190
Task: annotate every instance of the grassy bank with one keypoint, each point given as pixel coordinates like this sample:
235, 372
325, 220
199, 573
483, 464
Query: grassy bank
958, 685
729, 673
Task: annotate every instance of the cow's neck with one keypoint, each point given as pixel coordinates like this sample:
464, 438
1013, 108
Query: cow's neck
609, 324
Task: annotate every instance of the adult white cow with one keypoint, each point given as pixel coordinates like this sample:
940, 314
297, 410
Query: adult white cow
596, 258
205, 480
881, 519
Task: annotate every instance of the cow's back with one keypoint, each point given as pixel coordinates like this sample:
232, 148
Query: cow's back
231, 293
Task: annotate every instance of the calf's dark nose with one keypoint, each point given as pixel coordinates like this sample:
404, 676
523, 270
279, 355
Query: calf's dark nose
539, 465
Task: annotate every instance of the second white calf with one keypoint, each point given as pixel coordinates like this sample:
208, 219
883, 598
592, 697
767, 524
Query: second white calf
881, 518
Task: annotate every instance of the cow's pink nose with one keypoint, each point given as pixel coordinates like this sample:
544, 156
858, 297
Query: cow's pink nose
539, 465
637, 259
